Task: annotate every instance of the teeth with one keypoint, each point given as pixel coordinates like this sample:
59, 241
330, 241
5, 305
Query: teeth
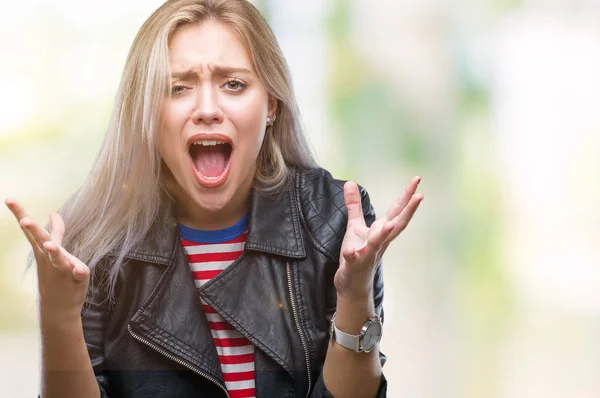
209, 142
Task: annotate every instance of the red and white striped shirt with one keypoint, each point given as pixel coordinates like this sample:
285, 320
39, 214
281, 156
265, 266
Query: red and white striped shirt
236, 353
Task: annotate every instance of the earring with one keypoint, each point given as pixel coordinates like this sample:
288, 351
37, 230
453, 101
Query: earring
270, 120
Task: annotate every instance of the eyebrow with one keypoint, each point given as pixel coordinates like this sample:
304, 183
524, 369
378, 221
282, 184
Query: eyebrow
216, 69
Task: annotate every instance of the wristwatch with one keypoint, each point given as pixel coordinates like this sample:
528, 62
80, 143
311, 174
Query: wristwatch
368, 338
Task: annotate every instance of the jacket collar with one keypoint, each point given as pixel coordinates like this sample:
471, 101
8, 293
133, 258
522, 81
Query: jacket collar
274, 227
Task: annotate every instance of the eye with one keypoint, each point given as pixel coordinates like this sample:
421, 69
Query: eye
178, 89
235, 85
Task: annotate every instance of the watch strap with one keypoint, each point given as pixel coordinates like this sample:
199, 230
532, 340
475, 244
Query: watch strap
349, 341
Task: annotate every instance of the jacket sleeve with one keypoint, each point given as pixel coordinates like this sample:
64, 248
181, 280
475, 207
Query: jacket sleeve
320, 391
94, 316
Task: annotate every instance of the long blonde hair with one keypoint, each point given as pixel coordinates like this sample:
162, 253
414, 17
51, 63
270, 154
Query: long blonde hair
118, 202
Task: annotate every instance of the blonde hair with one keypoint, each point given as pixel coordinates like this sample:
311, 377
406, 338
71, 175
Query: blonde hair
115, 208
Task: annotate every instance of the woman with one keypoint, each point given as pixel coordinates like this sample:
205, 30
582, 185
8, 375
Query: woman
207, 254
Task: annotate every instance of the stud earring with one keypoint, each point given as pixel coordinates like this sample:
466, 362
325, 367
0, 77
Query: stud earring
270, 120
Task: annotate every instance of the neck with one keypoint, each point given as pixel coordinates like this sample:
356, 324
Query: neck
194, 216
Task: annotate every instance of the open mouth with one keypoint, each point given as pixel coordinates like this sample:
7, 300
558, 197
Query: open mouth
211, 159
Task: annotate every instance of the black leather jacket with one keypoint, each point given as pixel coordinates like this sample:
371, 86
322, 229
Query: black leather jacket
154, 341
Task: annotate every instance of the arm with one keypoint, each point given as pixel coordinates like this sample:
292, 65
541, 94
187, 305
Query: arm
359, 286
66, 369
359, 373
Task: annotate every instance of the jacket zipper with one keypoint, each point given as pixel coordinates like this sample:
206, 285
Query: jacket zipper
179, 361
304, 346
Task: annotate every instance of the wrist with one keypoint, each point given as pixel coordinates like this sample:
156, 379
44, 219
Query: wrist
353, 312
355, 299
59, 318
355, 296
354, 287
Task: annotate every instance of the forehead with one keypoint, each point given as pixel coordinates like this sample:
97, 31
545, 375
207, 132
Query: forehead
208, 43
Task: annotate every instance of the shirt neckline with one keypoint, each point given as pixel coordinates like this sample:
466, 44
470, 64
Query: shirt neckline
215, 236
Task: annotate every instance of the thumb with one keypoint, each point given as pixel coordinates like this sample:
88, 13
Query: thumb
57, 228
81, 272
349, 254
353, 203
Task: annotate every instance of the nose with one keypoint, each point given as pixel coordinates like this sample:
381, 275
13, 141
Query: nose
207, 109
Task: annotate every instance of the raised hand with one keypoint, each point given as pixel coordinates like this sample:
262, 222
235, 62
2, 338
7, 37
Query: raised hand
363, 246
62, 278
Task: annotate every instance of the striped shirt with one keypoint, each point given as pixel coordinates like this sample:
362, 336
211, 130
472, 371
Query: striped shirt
209, 253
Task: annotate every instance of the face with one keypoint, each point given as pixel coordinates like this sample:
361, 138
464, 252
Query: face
213, 124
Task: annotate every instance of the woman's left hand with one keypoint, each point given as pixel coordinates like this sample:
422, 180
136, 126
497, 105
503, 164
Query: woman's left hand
362, 246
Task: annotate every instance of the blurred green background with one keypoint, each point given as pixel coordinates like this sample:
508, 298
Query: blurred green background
493, 289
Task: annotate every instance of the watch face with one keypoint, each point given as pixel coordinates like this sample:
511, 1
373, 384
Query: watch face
371, 337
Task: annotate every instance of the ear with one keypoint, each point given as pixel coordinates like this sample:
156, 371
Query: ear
272, 105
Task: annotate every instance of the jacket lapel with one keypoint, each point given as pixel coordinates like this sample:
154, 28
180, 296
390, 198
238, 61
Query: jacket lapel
171, 319
253, 296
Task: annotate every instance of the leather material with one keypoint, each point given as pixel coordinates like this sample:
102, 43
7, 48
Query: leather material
154, 340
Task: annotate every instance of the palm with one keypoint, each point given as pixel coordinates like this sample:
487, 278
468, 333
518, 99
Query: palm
363, 246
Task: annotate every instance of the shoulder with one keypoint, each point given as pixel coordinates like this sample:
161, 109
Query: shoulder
321, 201
320, 192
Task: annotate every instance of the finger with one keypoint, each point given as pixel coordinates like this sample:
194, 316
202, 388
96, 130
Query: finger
20, 213
81, 272
58, 256
16, 208
400, 203
57, 228
37, 250
401, 223
402, 220
39, 234
353, 203
377, 238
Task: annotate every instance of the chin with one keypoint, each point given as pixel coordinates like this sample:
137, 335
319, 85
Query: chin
212, 200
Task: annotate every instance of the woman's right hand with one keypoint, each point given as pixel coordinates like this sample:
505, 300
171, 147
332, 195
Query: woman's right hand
62, 278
